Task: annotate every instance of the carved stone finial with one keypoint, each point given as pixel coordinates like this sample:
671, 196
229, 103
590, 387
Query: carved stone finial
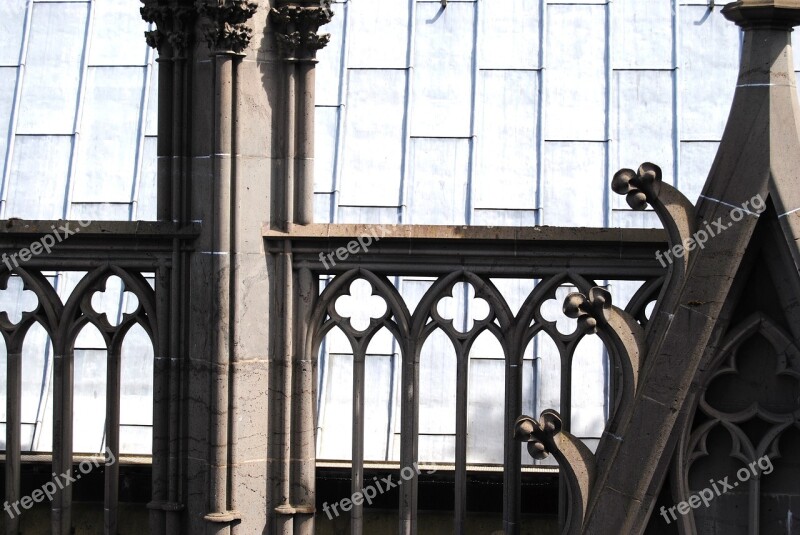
589, 311
173, 23
538, 435
640, 188
224, 25
297, 24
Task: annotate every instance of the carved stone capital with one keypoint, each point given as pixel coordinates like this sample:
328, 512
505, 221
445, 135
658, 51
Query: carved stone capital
173, 21
224, 24
296, 27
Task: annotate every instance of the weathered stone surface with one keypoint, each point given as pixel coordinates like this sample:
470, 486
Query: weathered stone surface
472, 232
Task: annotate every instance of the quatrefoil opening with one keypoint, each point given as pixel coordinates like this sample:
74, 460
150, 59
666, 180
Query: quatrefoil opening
551, 310
640, 188
360, 306
15, 300
462, 308
114, 301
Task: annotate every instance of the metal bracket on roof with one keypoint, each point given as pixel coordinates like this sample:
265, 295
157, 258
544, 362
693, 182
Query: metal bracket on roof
444, 3
711, 5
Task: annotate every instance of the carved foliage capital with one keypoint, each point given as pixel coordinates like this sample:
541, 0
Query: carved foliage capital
224, 25
173, 22
297, 25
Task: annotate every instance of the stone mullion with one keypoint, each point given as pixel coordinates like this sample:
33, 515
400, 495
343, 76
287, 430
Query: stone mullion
113, 391
63, 359
13, 430
514, 350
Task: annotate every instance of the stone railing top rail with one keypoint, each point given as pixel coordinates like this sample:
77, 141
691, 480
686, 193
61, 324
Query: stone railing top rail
454, 232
